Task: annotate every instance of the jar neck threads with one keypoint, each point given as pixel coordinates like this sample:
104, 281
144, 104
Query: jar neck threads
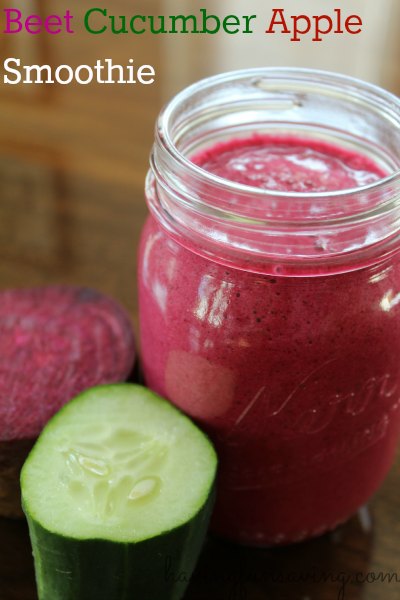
265, 231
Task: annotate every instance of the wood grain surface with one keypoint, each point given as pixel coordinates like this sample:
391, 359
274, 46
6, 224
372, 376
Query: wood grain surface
72, 165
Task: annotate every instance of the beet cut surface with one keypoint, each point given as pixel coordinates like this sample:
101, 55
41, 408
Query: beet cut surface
54, 343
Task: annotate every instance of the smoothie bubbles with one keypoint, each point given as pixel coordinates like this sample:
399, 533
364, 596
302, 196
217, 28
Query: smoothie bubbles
270, 291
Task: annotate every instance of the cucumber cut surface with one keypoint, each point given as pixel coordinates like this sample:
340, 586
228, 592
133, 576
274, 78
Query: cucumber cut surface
119, 479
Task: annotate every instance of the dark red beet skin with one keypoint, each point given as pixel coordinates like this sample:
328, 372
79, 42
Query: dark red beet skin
54, 343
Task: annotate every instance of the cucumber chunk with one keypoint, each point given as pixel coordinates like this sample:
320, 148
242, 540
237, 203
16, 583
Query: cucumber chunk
118, 492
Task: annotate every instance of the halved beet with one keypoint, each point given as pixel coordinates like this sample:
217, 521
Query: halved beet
55, 342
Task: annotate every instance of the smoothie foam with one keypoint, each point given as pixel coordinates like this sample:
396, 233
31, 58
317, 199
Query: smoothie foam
289, 164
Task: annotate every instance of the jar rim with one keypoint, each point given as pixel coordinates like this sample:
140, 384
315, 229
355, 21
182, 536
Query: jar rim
319, 76
263, 229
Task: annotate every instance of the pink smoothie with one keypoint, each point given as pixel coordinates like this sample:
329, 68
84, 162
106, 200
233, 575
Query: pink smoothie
296, 379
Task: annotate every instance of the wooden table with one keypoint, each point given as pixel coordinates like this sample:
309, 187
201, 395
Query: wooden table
72, 165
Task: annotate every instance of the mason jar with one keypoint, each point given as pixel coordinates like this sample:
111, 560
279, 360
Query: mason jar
272, 318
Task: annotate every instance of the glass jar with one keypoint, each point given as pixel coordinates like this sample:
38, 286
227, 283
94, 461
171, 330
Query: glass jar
273, 318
